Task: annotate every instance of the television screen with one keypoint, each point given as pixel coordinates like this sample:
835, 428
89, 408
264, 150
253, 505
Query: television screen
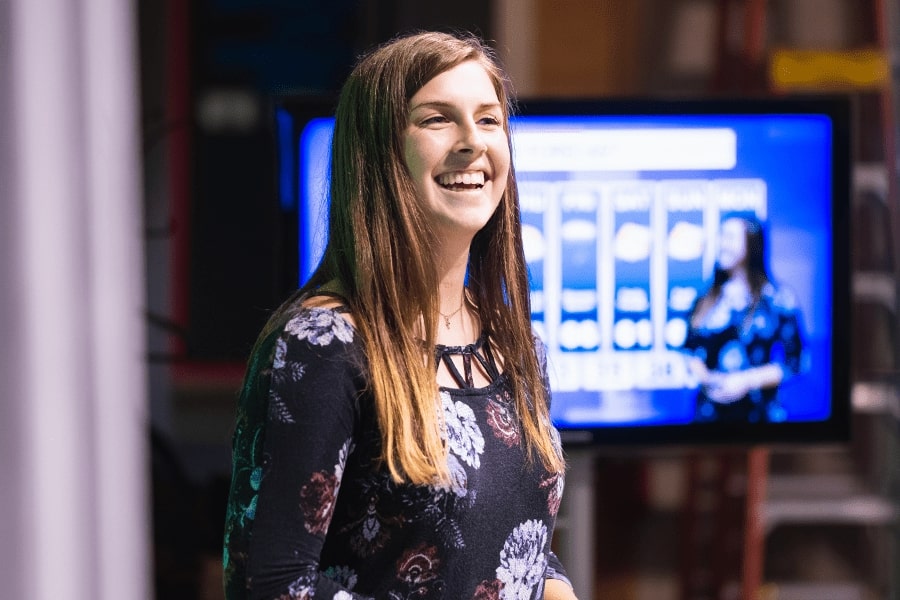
688, 261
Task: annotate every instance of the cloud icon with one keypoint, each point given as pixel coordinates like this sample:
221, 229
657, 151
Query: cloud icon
685, 241
632, 299
681, 298
632, 242
576, 301
579, 230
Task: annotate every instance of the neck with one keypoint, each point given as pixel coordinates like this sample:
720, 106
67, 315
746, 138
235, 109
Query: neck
740, 276
452, 305
452, 278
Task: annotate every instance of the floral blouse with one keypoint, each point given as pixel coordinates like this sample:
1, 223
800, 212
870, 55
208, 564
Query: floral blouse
738, 333
312, 515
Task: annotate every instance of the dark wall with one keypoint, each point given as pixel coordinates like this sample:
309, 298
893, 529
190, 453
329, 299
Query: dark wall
242, 252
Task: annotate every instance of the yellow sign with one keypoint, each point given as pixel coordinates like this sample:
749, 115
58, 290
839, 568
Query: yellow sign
827, 70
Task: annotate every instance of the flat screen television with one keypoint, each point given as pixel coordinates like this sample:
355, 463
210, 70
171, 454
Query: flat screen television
629, 209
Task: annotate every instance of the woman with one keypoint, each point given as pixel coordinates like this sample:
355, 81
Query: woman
393, 437
744, 334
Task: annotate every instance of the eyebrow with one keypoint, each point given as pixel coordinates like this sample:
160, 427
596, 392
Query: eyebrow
450, 105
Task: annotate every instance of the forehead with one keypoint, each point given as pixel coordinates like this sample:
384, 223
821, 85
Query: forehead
467, 80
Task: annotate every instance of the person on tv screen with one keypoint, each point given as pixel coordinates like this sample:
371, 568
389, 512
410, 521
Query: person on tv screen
393, 437
745, 337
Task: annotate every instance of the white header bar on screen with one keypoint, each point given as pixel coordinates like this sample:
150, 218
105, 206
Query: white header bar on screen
625, 149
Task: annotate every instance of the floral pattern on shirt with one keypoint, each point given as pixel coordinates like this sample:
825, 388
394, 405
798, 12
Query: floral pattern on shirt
488, 590
320, 326
283, 371
459, 480
462, 431
418, 571
301, 588
522, 561
553, 483
313, 505
438, 508
503, 425
371, 529
739, 332
318, 495
344, 576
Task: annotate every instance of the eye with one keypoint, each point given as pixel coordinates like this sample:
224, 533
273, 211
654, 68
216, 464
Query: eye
434, 120
490, 120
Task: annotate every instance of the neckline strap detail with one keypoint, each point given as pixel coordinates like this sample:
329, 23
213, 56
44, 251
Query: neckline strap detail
479, 350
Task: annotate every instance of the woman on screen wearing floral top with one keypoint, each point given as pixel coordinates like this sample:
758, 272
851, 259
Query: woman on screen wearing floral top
393, 437
745, 333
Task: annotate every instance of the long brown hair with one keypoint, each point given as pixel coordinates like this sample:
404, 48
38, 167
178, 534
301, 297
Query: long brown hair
755, 263
378, 252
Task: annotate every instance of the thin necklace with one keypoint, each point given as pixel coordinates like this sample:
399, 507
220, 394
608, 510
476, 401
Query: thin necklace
447, 318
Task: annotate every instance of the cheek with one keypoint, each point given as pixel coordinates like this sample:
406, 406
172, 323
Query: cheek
416, 168
411, 155
420, 157
502, 163
501, 150
506, 164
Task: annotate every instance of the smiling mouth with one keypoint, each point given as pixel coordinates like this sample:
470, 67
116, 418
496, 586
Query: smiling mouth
461, 181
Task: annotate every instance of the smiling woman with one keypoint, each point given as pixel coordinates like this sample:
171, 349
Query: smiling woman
457, 152
393, 436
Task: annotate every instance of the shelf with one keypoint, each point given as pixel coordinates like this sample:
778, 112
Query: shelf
831, 498
876, 398
819, 591
875, 286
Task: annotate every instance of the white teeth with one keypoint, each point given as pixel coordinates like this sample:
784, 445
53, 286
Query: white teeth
461, 178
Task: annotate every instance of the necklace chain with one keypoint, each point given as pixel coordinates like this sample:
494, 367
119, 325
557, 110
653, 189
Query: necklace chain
454, 313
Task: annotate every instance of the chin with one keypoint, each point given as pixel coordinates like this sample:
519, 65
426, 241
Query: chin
470, 214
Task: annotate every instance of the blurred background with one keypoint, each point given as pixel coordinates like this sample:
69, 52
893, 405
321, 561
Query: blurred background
144, 243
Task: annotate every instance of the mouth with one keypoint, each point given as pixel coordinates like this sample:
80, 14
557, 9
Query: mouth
461, 180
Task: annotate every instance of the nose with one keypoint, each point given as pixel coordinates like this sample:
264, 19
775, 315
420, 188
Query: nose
470, 140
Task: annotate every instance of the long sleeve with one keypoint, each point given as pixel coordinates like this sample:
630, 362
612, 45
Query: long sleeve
555, 569
295, 463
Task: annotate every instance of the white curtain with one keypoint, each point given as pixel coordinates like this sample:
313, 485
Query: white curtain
74, 502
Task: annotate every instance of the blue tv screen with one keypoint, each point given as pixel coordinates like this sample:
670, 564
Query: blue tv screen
630, 210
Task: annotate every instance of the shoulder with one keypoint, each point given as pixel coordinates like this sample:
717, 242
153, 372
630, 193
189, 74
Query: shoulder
318, 347
329, 296
319, 319
310, 332
319, 325
314, 347
320, 344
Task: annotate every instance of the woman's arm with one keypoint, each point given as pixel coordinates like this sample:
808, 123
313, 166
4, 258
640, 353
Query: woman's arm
302, 439
557, 589
729, 387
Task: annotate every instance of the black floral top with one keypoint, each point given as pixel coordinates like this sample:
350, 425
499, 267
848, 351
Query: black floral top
739, 333
312, 515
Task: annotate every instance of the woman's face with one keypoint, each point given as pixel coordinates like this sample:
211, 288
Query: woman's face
456, 148
732, 244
